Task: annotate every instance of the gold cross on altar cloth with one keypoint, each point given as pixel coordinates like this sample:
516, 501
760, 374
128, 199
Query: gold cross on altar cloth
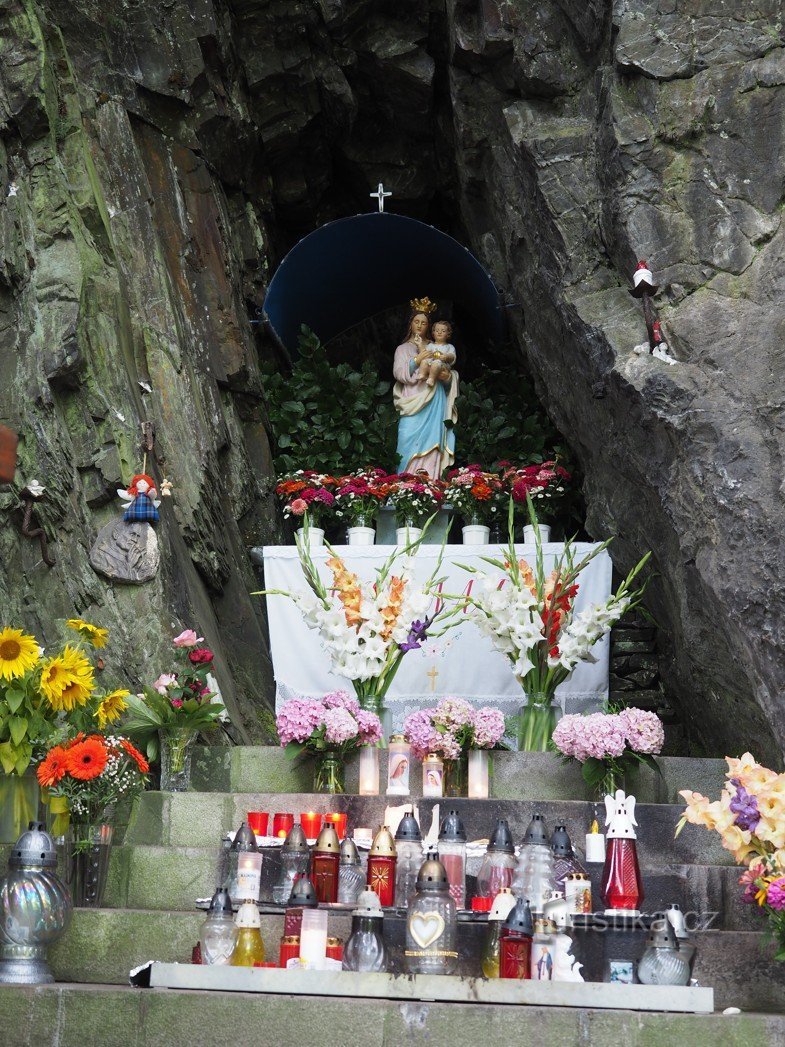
433, 674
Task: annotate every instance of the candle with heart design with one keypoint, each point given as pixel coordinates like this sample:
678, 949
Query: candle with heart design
431, 922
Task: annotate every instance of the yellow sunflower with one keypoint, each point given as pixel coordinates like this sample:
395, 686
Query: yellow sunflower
111, 708
74, 693
94, 634
18, 653
78, 665
55, 676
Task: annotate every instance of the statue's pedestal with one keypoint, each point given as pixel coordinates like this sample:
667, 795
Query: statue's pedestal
437, 532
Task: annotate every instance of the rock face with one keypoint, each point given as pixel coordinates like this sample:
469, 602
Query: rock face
160, 159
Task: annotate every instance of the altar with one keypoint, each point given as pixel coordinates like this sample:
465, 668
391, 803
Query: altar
461, 663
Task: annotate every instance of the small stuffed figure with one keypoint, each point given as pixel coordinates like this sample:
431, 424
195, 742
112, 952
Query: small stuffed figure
439, 355
142, 497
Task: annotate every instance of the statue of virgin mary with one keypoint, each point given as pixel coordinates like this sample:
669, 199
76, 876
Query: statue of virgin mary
424, 442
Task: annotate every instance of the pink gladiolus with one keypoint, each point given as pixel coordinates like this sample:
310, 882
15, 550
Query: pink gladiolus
187, 638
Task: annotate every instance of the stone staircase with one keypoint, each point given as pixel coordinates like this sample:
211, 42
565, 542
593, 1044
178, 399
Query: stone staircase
170, 855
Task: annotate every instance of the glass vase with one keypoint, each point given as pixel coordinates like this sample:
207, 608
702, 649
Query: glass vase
176, 747
328, 774
19, 795
86, 852
456, 776
612, 780
536, 721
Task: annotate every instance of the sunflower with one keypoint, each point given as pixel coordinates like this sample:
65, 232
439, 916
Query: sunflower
54, 767
87, 759
111, 708
74, 693
18, 653
55, 676
92, 633
135, 755
78, 666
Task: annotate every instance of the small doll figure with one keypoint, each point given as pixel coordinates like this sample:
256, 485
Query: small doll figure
439, 355
142, 497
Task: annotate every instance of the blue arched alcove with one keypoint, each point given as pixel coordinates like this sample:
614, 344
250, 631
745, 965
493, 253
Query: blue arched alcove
349, 270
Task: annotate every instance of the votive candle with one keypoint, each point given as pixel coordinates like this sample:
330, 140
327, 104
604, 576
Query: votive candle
369, 771
337, 819
282, 823
311, 823
313, 938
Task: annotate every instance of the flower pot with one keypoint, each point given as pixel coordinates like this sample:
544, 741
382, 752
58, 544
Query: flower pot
315, 535
406, 535
86, 854
361, 535
176, 747
528, 533
19, 794
328, 773
476, 534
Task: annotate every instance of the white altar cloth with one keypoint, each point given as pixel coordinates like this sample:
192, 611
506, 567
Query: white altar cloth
462, 663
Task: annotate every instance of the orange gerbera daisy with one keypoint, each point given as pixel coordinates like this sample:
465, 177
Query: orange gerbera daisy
54, 767
135, 755
87, 759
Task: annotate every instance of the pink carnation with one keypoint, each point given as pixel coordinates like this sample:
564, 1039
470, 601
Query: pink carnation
298, 719
339, 726
488, 727
187, 638
775, 896
644, 730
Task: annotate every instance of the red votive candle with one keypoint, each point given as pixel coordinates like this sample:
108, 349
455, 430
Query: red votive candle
282, 823
257, 820
311, 823
337, 819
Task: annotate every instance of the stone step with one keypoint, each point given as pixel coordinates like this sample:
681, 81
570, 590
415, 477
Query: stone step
516, 776
113, 1016
103, 945
200, 819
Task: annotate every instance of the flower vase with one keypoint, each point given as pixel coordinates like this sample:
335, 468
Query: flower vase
329, 772
19, 795
176, 748
315, 535
87, 849
612, 780
407, 534
536, 722
361, 535
529, 537
476, 532
456, 776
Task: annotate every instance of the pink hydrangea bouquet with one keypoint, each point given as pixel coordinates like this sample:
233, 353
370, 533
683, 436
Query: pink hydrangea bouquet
328, 728
610, 744
750, 819
452, 728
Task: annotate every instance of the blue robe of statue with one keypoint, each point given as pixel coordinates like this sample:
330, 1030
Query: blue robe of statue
423, 440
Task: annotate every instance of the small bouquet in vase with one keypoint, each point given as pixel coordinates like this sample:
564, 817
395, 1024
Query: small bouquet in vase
307, 492
329, 729
544, 483
475, 494
359, 495
415, 498
750, 819
529, 617
169, 715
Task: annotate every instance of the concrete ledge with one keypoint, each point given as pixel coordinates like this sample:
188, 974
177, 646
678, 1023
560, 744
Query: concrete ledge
73, 1016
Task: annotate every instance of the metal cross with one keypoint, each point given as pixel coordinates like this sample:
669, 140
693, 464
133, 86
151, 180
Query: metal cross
379, 195
433, 675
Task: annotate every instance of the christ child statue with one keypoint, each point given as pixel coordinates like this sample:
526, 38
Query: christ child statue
438, 356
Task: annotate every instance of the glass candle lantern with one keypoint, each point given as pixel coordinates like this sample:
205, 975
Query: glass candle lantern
622, 888
686, 948
498, 864
432, 775
338, 820
245, 863
381, 866
248, 947
564, 861
313, 938
369, 770
295, 859
516, 942
408, 844
398, 764
351, 879
503, 904
218, 933
452, 855
663, 963
431, 922
365, 950
534, 874
325, 863
479, 774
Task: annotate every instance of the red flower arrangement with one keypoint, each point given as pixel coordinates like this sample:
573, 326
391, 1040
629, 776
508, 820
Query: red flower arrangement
545, 482
359, 495
307, 491
93, 772
415, 497
477, 495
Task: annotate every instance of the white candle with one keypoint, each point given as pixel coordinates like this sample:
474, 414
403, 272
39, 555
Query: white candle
249, 875
369, 771
398, 764
595, 846
479, 774
313, 938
